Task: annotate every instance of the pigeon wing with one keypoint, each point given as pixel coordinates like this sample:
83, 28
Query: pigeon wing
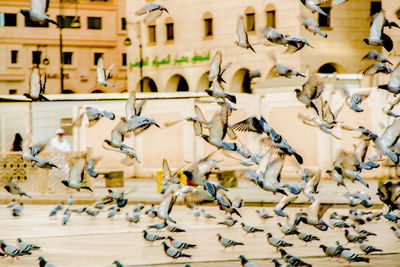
274, 169
34, 83
130, 105
394, 80
376, 28
76, 172
39, 6
391, 134
217, 127
215, 66
241, 31
108, 71
199, 114
152, 16
147, 8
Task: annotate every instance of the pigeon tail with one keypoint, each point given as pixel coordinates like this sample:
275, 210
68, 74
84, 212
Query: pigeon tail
298, 158
314, 107
387, 42
360, 179
231, 98
87, 188
229, 146
393, 156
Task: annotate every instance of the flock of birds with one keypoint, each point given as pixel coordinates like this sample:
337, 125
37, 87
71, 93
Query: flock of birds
266, 175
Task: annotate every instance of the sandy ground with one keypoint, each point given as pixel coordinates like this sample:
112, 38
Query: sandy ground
96, 241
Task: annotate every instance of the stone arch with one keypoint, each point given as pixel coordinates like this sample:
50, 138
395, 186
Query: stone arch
270, 7
250, 18
241, 81
207, 15
148, 85
330, 67
203, 83
68, 91
97, 91
177, 83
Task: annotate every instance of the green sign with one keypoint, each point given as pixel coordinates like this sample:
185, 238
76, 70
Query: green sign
168, 60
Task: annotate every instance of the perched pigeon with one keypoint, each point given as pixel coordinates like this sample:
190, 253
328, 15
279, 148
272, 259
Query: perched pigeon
118, 264
353, 238
332, 251
350, 256
138, 207
263, 214
180, 244
12, 204
276, 242
250, 229
207, 214
245, 262
361, 231
228, 222
396, 232
278, 264
307, 237
16, 212
288, 230
295, 261
66, 216
151, 237
44, 263
173, 252
174, 229
367, 248
12, 251
37, 12
226, 242
25, 246
158, 226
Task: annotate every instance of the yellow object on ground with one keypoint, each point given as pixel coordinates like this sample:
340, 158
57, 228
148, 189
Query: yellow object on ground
159, 178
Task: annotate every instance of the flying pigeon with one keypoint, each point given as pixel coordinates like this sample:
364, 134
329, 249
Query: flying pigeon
37, 84
393, 85
376, 56
103, 75
25, 246
376, 35
216, 71
243, 38
37, 12
313, 6
76, 175
15, 189
93, 115
153, 11
276, 242
312, 26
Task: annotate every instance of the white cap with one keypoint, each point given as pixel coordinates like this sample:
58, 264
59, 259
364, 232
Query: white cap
60, 131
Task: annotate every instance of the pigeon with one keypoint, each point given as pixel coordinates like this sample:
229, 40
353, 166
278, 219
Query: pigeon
312, 26
218, 131
112, 212
353, 238
152, 11
311, 90
276, 242
393, 85
361, 231
375, 68
218, 91
226, 242
250, 229
284, 71
313, 6
307, 237
37, 83
376, 56
138, 207
367, 248
288, 230
79, 210
243, 38
13, 188
25, 246
158, 226
12, 204
44, 263
71, 200
376, 35
174, 229
207, 214
245, 262
282, 204
314, 216
151, 237
76, 175
66, 216
349, 166
263, 214
338, 223
92, 213
118, 263
271, 35
332, 251
103, 75
216, 72
173, 252
93, 116
37, 12
300, 43
38, 162
16, 212
396, 232
295, 261
350, 256
180, 244
12, 251
278, 264
229, 222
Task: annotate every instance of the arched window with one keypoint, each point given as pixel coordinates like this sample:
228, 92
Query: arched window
241, 81
97, 91
270, 15
148, 85
330, 68
250, 19
208, 25
177, 83
169, 29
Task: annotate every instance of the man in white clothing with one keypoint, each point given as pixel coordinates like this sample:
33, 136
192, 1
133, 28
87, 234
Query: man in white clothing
58, 143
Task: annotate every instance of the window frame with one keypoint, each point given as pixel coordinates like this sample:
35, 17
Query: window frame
248, 15
68, 53
90, 21
152, 34
169, 32
328, 25
97, 56
8, 14
14, 56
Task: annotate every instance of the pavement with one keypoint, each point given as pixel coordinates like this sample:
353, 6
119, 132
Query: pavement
98, 241
145, 191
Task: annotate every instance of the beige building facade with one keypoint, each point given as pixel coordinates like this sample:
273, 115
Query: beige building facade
91, 29
178, 59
